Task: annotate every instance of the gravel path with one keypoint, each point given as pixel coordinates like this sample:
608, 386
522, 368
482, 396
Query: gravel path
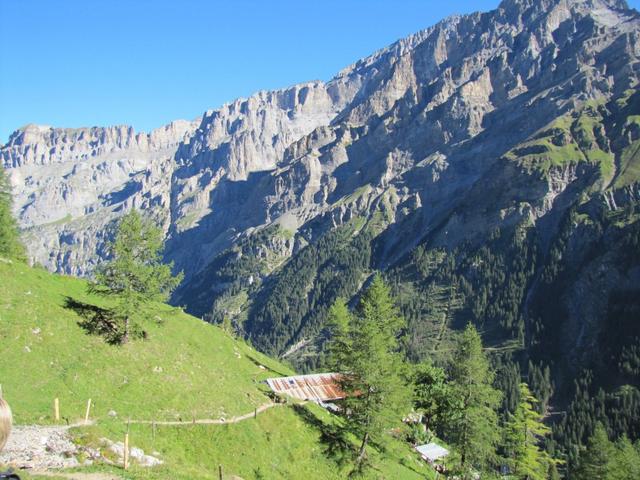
37, 447
43, 450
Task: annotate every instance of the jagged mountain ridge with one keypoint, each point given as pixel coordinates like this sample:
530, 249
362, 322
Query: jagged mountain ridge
418, 134
249, 136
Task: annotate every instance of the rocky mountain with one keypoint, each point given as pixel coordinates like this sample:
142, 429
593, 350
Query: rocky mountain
489, 165
442, 93
70, 184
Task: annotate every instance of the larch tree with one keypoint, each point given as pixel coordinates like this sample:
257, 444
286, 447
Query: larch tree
473, 429
10, 245
365, 349
593, 462
432, 395
603, 459
625, 463
135, 275
524, 433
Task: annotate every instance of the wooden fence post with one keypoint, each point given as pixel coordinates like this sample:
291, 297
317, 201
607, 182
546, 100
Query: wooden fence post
220, 472
126, 450
56, 409
86, 415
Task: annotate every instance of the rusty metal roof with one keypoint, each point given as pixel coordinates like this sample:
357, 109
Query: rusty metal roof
319, 387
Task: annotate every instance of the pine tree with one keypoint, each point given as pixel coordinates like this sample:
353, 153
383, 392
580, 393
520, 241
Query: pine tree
339, 347
523, 433
508, 382
135, 276
593, 462
10, 246
472, 430
364, 348
541, 384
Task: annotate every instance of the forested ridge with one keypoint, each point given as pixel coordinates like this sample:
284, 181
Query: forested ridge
555, 300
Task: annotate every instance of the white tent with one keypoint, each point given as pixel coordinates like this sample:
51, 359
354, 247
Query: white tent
432, 452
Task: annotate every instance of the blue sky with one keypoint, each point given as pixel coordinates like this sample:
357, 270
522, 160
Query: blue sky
72, 63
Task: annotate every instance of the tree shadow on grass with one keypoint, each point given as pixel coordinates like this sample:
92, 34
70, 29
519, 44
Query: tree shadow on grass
96, 320
341, 449
336, 444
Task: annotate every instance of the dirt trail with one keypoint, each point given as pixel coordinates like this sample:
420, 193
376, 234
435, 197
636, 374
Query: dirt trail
212, 421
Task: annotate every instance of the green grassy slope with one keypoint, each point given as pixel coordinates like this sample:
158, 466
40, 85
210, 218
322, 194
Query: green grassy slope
570, 139
282, 443
185, 369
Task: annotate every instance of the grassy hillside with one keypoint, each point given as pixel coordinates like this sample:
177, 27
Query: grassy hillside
282, 443
184, 369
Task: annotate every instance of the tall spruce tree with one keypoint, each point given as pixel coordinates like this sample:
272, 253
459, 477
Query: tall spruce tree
135, 275
524, 432
364, 348
10, 245
473, 429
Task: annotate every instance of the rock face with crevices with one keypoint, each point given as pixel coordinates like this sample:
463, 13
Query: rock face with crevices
521, 121
71, 184
462, 91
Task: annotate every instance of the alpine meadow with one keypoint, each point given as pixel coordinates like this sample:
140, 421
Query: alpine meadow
427, 266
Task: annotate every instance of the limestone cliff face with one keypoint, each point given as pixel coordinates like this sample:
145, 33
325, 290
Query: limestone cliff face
71, 184
439, 130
